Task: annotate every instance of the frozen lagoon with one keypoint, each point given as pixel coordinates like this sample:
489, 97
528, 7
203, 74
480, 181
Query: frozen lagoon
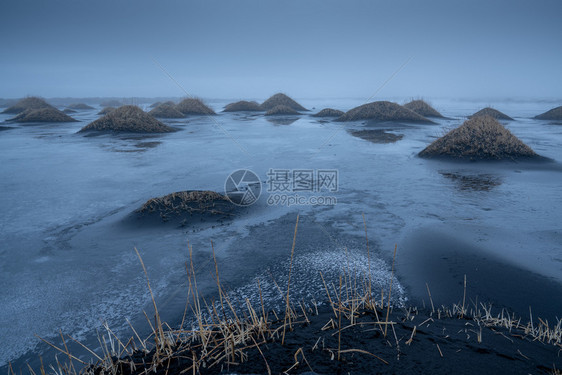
68, 261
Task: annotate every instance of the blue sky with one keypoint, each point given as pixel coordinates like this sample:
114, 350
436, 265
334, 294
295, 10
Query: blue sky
306, 48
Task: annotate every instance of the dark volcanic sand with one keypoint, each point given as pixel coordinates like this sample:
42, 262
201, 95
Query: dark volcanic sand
439, 346
441, 261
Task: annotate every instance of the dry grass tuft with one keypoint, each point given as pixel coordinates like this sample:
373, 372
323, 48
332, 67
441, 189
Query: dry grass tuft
166, 110
194, 106
31, 102
422, 108
190, 202
281, 110
128, 119
383, 111
491, 112
553, 114
480, 138
222, 338
243, 106
42, 115
281, 99
329, 112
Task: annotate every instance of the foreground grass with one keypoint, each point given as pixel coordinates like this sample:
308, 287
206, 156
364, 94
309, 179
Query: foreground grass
356, 330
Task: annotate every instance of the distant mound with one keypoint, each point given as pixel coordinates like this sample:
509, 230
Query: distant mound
329, 112
42, 115
128, 119
193, 106
383, 111
281, 110
422, 108
480, 138
553, 114
79, 106
165, 110
68, 111
188, 206
156, 104
111, 103
106, 110
243, 106
492, 113
281, 99
31, 102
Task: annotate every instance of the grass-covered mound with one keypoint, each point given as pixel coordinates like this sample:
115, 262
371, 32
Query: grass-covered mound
156, 104
31, 102
193, 205
480, 138
106, 110
194, 106
383, 111
281, 99
166, 111
79, 106
243, 106
422, 108
128, 119
329, 112
42, 115
553, 114
281, 110
488, 111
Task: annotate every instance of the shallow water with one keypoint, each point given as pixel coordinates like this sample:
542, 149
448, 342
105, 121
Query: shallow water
68, 260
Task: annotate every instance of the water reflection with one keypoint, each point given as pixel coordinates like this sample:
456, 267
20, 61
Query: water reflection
473, 182
282, 120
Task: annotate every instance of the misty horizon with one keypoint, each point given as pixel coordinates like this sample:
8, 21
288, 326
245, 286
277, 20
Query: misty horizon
251, 49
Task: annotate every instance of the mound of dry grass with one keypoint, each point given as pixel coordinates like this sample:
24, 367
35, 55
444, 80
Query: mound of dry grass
156, 104
281, 110
42, 115
31, 102
491, 112
281, 99
329, 112
553, 114
130, 119
79, 106
188, 203
243, 106
106, 110
422, 108
194, 106
165, 110
480, 138
383, 111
